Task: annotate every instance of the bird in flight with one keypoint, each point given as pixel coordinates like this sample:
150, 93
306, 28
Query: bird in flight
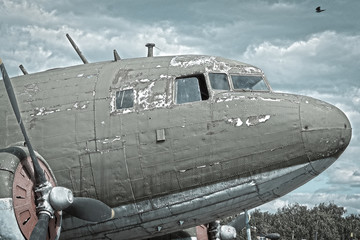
318, 9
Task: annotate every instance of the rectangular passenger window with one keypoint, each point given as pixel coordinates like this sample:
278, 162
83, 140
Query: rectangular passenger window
125, 99
254, 83
191, 89
219, 81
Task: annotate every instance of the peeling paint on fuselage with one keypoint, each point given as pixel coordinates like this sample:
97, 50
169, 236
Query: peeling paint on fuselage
255, 120
235, 121
114, 154
184, 61
144, 95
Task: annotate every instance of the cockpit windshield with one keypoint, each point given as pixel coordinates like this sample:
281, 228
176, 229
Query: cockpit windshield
249, 82
219, 81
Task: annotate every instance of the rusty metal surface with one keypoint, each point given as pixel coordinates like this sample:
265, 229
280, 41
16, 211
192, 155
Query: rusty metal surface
24, 200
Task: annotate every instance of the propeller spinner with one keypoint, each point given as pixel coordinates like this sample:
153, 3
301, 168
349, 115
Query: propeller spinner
49, 198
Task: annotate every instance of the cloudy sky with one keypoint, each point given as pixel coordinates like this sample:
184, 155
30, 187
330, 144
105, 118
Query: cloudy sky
301, 51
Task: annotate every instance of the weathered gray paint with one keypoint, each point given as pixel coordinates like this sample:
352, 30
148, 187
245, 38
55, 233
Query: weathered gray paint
192, 207
8, 224
235, 150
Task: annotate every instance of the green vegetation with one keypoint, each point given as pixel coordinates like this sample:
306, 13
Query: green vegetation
325, 221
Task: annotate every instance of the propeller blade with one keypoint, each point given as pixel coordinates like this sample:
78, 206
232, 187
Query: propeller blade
39, 174
90, 209
41, 228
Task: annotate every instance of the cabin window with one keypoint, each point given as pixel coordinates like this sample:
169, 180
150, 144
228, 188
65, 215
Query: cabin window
253, 83
191, 89
125, 99
219, 81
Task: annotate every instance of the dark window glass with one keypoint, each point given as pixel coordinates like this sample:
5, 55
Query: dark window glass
125, 99
255, 83
191, 89
219, 81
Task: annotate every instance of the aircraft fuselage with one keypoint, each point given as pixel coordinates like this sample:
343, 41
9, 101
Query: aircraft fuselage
156, 140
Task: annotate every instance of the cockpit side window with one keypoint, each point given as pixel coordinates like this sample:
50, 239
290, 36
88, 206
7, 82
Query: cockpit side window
252, 83
219, 81
191, 89
125, 99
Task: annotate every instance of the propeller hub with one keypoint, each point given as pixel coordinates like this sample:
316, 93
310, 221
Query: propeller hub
61, 198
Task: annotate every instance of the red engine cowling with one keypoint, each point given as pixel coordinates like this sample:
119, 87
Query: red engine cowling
17, 206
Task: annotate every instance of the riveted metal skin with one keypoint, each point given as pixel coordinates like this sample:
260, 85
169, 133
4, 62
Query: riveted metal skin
160, 163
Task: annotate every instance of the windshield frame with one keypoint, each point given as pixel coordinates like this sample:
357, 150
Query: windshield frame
228, 81
262, 76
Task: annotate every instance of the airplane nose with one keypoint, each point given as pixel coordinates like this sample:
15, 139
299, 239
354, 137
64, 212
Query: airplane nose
326, 131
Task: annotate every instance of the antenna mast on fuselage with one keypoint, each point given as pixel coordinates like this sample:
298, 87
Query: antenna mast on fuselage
85, 61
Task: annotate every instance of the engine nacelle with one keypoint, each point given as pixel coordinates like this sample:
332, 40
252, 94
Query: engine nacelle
17, 207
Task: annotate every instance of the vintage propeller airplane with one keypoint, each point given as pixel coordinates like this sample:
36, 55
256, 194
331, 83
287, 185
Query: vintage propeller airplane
138, 148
